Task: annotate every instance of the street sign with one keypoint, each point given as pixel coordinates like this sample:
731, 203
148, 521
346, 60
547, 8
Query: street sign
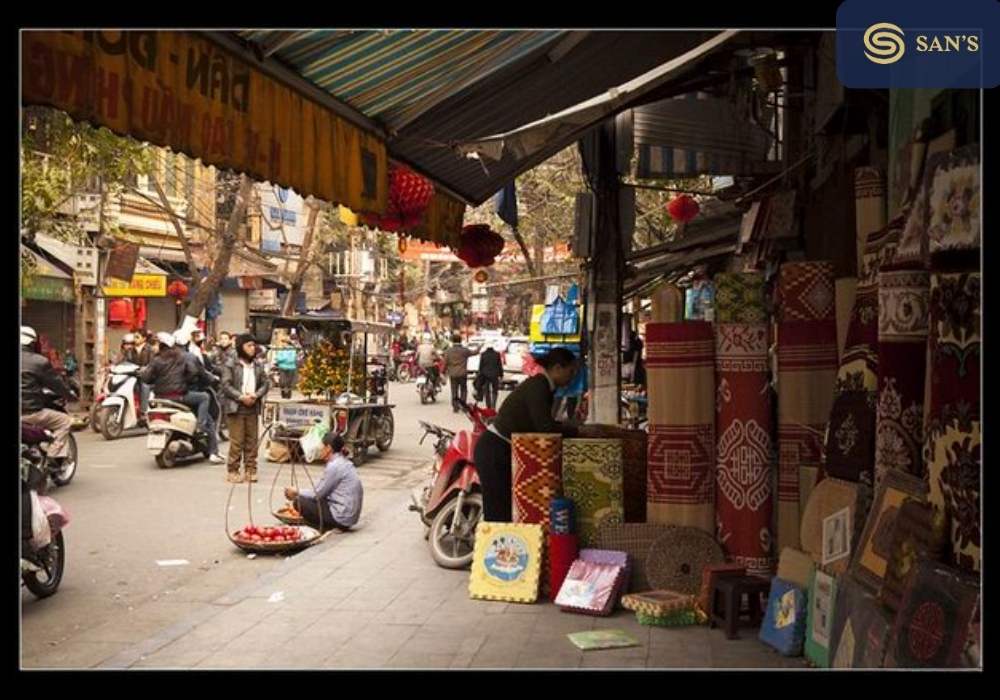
303, 415
139, 286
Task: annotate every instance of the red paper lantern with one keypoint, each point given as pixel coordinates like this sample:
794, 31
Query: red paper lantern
683, 208
479, 246
409, 196
178, 290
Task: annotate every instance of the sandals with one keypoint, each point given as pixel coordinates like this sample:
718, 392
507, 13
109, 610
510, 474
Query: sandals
234, 478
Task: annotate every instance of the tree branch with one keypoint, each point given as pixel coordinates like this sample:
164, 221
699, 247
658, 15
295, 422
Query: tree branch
166, 208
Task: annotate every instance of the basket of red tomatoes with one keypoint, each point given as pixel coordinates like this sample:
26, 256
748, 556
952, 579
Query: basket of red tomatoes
274, 538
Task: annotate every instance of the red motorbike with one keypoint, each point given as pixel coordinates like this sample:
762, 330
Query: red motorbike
452, 504
405, 366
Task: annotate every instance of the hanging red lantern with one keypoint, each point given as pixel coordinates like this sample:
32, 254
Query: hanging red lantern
683, 208
409, 196
178, 290
479, 246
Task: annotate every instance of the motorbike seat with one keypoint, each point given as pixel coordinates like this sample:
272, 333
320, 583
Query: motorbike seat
33, 435
167, 403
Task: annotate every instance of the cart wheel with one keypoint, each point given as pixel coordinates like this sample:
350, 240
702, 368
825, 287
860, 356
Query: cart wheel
385, 432
359, 452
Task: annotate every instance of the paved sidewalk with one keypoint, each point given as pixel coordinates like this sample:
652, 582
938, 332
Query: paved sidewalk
374, 598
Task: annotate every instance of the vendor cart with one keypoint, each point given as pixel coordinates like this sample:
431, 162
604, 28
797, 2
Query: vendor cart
362, 414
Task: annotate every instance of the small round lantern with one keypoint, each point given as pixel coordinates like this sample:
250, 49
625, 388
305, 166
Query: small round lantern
409, 196
178, 290
683, 208
479, 245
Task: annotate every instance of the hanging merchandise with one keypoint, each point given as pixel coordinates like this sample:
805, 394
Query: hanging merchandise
683, 208
141, 314
560, 318
409, 196
120, 313
479, 245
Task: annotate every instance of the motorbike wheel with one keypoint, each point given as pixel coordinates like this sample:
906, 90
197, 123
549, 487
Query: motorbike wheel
166, 459
386, 430
454, 550
95, 416
50, 578
68, 469
112, 422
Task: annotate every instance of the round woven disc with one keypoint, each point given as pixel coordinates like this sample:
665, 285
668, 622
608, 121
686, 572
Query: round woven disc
677, 558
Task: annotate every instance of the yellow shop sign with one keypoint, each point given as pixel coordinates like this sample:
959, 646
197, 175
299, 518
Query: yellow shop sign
140, 286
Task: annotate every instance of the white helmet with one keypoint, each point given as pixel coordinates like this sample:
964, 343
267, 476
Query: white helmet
182, 337
128, 338
165, 338
28, 335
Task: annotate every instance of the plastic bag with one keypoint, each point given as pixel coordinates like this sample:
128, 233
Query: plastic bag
560, 318
312, 441
41, 533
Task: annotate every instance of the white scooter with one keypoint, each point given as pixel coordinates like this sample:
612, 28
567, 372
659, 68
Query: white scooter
173, 431
119, 409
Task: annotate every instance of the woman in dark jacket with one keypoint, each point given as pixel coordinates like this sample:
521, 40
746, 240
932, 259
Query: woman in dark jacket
244, 386
527, 410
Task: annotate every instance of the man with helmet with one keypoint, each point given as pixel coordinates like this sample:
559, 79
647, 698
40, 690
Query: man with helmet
38, 374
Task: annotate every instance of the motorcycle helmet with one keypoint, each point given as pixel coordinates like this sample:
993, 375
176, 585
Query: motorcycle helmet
165, 339
182, 337
28, 335
128, 339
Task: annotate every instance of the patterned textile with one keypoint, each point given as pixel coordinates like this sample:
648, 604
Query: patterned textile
869, 206
592, 478
712, 573
590, 588
806, 292
745, 454
562, 551
861, 628
682, 618
537, 462
871, 555
506, 562
634, 455
830, 496
819, 623
681, 459
920, 534
807, 371
952, 420
904, 298
677, 558
784, 626
932, 627
953, 206
739, 298
850, 439
634, 539
658, 603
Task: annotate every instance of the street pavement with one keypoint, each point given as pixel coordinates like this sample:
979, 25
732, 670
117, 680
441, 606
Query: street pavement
370, 598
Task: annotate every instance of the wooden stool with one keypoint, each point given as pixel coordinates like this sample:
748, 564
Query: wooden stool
726, 599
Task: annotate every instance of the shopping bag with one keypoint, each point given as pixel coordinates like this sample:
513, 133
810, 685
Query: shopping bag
312, 441
41, 533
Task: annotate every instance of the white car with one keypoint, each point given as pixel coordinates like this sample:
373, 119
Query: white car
512, 351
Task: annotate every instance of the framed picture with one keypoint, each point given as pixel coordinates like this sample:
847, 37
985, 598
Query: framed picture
836, 536
874, 549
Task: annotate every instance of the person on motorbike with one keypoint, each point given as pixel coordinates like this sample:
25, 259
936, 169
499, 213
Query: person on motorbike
427, 358
244, 386
528, 409
38, 374
203, 375
339, 490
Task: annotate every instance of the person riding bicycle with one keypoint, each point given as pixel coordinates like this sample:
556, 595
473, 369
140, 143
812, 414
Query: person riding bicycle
37, 375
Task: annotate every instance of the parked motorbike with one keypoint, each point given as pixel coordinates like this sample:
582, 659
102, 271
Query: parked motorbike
119, 410
173, 430
42, 563
406, 367
430, 384
452, 504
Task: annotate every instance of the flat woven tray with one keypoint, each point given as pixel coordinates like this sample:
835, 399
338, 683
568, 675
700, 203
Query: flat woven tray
676, 559
309, 537
634, 539
288, 519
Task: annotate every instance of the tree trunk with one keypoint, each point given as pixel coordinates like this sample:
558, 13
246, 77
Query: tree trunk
524, 251
220, 266
300, 270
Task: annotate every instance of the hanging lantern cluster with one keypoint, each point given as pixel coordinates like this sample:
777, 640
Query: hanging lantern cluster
683, 208
178, 290
409, 196
479, 245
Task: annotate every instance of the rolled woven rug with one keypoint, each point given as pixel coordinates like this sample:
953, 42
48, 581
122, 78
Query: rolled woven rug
634, 472
668, 304
537, 478
745, 454
681, 387
807, 372
592, 479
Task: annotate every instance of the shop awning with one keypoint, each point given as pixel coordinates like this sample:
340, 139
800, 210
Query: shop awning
48, 283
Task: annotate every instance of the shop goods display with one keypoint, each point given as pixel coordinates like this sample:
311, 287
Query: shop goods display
807, 372
506, 562
329, 371
602, 639
904, 301
739, 298
784, 626
845, 288
869, 206
861, 628
611, 558
871, 555
659, 603
590, 588
953, 206
745, 453
682, 618
271, 538
668, 304
681, 460
919, 535
932, 627
819, 623
562, 551
562, 518
796, 567
953, 431
592, 479
709, 575
635, 539
826, 527
537, 476
634, 451
676, 559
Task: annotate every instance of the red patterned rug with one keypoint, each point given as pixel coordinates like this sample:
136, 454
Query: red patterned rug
537, 463
681, 463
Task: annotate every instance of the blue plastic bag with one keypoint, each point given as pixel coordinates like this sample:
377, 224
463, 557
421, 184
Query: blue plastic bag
560, 318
